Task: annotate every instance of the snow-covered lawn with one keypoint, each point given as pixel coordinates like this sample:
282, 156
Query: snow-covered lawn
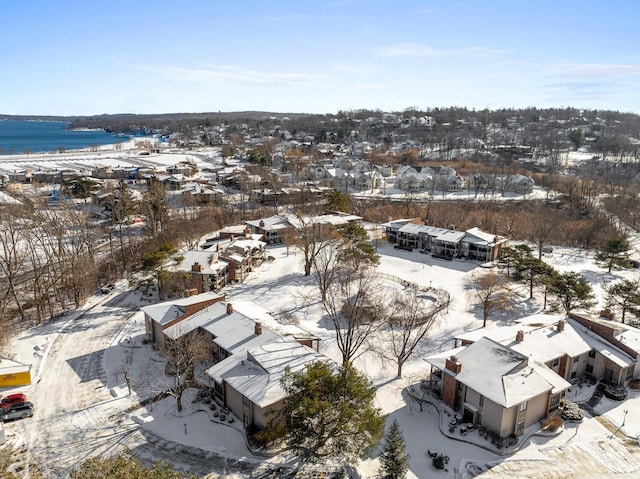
587, 450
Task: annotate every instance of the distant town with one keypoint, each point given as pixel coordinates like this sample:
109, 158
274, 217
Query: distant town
470, 274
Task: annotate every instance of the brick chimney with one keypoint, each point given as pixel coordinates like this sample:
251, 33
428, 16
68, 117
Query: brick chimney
196, 267
229, 308
190, 292
560, 325
261, 224
258, 328
520, 336
452, 364
247, 232
607, 313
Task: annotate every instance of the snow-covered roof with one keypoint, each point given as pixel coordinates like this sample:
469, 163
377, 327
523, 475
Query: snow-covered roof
251, 243
238, 258
257, 375
162, 313
475, 235
271, 223
400, 222
500, 373
210, 262
450, 236
261, 314
543, 341
629, 336
233, 332
411, 228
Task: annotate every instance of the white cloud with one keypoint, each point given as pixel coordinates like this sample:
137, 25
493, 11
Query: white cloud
600, 70
422, 50
229, 73
369, 86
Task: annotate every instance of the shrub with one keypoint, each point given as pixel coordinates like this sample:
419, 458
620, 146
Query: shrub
617, 393
635, 384
552, 423
266, 437
572, 412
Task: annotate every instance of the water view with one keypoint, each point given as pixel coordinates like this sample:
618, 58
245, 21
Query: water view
19, 136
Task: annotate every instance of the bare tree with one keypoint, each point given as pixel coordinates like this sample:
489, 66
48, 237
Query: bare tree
491, 293
353, 309
541, 225
409, 316
183, 354
12, 258
155, 207
326, 265
312, 238
122, 205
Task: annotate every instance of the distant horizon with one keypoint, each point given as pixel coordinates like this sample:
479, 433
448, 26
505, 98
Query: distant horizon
44, 117
78, 58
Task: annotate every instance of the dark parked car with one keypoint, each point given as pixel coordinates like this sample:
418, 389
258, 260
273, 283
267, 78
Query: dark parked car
106, 289
17, 411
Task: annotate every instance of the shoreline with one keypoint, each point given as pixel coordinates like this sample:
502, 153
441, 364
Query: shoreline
129, 145
52, 136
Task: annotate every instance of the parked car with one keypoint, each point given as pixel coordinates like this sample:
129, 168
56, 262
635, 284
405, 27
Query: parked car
17, 411
12, 399
107, 288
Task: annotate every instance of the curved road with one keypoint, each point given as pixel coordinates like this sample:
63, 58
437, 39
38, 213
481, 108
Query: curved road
77, 417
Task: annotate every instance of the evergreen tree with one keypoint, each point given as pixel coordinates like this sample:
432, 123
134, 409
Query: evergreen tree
531, 271
394, 460
357, 248
577, 137
625, 295
571, 291
329, 413
614, 251
338, 201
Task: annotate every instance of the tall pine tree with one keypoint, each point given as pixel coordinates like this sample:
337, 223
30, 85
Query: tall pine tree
394, 460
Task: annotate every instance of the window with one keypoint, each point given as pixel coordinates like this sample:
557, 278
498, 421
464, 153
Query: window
573, 374
592, 353
589, 369
554, 402
523, 406
556, 362
481, 401
629, 375
245, 401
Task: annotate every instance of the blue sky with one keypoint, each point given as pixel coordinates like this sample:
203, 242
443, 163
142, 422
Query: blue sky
74, 57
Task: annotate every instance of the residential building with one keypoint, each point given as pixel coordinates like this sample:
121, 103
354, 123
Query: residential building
496, 387
158, 317
248, 358
270, 228
472, 244
506, 379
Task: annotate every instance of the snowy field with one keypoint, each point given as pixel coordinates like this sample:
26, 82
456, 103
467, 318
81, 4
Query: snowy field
80, 360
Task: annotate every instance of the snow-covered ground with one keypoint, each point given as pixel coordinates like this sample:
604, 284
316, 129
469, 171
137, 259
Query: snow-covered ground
82, 400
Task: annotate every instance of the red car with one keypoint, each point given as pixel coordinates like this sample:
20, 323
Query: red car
12, 399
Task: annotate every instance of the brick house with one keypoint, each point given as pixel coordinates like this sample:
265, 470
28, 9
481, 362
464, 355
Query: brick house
159, 317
